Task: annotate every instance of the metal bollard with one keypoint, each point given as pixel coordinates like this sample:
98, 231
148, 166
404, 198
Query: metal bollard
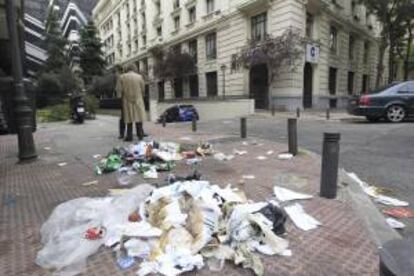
273, 110
298, 112
330, 159
293, 136
164, 121
194, 124
243, 128
328, 113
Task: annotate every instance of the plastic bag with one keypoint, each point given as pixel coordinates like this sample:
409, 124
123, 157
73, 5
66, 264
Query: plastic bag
63, 235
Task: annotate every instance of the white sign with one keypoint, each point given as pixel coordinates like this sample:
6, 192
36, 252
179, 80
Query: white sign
312, 53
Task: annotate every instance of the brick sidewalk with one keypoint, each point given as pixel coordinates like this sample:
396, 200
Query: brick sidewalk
342, 246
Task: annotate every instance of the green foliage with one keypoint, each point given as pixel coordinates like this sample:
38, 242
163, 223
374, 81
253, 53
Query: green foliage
55, 45
173, 64
49, 90
53, 87
276, 52
396, 18
91, 54
91, 104
55, 113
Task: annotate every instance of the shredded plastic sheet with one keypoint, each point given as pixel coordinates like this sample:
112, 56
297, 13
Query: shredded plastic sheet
393, 223
62, 235
179, 226
372, 191
283, 194
301, 219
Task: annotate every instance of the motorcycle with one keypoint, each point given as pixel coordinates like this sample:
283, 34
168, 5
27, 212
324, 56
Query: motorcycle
78, 112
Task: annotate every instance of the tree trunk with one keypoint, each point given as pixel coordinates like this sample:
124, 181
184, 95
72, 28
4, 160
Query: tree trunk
408, 52
380, 65
391, 62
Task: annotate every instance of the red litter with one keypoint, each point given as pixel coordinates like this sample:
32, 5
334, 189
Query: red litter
400, 212
95, 233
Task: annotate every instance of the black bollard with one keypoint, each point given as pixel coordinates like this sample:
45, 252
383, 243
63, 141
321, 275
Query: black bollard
194, 124
293, 136
273, 110
328, 113
243, 128
298, 112
164, 121
330, 159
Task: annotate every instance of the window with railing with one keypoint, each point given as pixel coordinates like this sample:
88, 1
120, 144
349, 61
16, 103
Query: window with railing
351, 54
192, 49
192, 14
259, 27
333, 39
211, 46
176, 23
309, 25
176, 4
209, 6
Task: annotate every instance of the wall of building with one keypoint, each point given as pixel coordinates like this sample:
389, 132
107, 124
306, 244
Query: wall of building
231, 22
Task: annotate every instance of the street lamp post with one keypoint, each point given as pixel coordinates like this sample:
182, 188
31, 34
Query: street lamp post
22, 108
223, 69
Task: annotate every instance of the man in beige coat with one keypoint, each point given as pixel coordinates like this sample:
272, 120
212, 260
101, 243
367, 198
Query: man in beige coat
130, 87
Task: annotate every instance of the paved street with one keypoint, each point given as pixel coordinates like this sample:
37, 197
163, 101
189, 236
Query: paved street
343, 246
380, 153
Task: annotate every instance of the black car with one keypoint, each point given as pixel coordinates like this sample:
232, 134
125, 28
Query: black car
394, 102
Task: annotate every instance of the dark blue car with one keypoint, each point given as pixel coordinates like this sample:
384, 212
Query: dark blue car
394, 102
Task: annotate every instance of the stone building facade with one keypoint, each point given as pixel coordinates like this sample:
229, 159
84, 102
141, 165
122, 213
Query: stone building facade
339, 59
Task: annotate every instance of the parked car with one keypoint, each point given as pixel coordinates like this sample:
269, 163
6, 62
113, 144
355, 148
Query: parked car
394, 102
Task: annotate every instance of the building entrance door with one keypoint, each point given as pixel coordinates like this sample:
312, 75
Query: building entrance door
259, 86
307, 85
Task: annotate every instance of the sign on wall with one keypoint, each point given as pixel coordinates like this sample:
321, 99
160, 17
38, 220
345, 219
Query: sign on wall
312, 53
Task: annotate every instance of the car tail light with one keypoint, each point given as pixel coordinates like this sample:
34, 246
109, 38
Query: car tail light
365, 100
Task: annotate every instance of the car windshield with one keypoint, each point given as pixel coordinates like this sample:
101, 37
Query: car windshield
383, 88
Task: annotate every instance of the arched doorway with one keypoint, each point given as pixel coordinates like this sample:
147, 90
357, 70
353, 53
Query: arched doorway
307, 85
259, 86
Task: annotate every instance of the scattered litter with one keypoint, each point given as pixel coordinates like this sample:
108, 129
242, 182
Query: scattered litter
117, 192
173, 229
373, 192
222, 157
283, 194
188, 154
97, 156
301, 219
400, 212
239, 152
62, 164
270, 152
91, 183
185, 138
123, 177
395, 224
125, 262
95, 233
193, 161
249, 177
285, 156
47, 148
205, 149
151, 173
245, 143
261, 158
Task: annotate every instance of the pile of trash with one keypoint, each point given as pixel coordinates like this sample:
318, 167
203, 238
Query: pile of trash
148, 158
171, 230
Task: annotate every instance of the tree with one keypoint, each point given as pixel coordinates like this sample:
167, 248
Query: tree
276, 52
392, 14
173, 64
91, 54
55, 45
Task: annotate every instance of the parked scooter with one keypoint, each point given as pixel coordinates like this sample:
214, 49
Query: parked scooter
78, 112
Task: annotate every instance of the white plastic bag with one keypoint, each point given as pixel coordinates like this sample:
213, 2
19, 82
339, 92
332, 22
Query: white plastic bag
63, 235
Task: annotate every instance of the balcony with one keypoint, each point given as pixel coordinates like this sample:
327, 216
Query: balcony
190, 3
250, 5
157, 21
176, 11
